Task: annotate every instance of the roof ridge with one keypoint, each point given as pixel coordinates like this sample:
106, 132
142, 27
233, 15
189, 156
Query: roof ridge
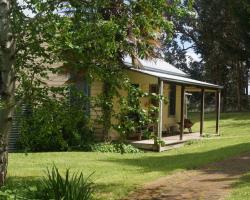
157, 65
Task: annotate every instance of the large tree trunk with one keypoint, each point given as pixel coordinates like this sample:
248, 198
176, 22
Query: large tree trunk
7, 83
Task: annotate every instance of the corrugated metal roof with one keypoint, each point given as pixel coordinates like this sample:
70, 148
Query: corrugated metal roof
156, 65
178, 79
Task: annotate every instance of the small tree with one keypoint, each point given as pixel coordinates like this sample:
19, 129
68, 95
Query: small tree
23, 57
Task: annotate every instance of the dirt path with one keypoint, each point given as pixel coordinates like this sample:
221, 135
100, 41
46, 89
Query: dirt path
213, 182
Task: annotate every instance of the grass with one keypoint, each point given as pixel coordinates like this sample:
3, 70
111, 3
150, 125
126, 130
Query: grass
241, 189
115, 175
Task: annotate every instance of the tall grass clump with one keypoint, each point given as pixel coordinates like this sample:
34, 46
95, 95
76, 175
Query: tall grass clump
69, 187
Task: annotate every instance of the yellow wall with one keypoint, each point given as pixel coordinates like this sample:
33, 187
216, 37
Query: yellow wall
144, 81
136, 77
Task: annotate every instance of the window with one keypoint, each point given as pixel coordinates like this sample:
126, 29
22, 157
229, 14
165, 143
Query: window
77, 93
172, 100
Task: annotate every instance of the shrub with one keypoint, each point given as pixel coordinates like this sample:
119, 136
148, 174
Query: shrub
9, 195
57, 187
114, 148
55, 125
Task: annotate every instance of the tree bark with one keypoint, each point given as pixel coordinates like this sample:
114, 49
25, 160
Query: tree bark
7, 83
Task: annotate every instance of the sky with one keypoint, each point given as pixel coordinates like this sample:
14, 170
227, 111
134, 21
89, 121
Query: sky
195, 56
190, 52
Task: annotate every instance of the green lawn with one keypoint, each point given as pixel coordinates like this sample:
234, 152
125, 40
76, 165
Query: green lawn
115, 175
241, 189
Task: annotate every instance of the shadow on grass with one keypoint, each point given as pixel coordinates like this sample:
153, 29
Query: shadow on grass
245, 180
147, 163
241, 189
215, 179
187, 161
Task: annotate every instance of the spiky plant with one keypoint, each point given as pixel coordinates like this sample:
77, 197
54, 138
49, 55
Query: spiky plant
69, 187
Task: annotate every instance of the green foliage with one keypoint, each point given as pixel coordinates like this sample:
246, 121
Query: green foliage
112, 82
114, 148
158, 141
53, 186
56, 125
93, 41
90, 39
68, 187
132, 117
9, 195
226, 49
1, 104
224, 52
126, 28
34, 60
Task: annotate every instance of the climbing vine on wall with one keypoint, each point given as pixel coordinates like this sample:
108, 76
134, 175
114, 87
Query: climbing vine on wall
112, 81
133, 118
